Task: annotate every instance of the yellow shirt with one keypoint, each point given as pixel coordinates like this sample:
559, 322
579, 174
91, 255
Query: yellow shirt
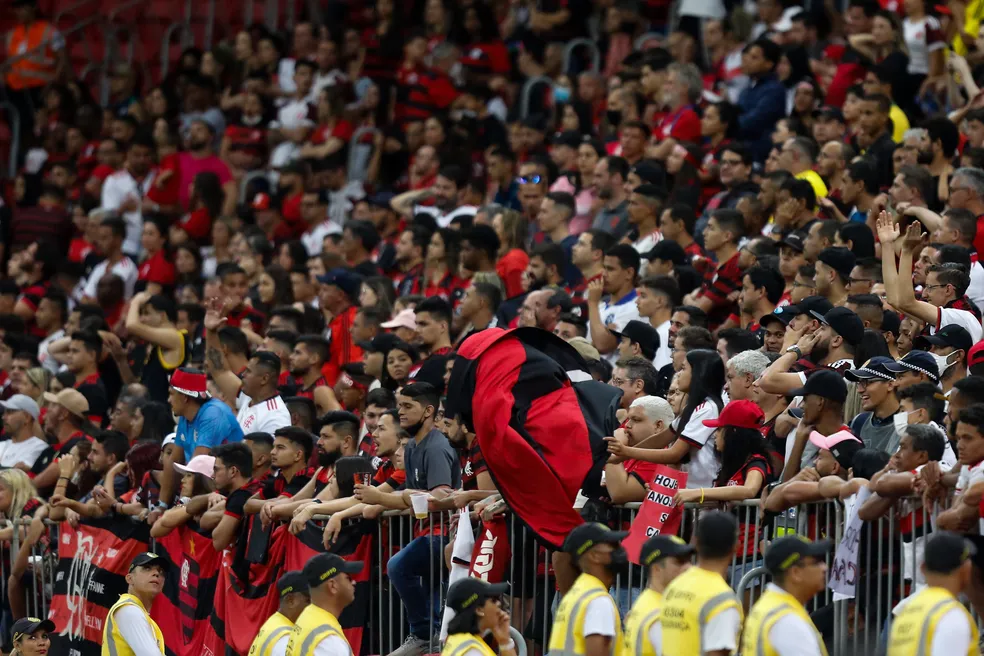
900, 122
819, 188
972, 24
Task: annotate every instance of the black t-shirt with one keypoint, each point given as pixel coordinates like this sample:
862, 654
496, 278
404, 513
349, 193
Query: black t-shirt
236, 502
278, 486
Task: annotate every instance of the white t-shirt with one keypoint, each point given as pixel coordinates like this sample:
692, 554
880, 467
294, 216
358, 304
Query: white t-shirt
133, 626
332, 645
921, 38
600, 617
296, 114
27, 451
975, 291
119, 187
314, 239
617, 314
645, 244
704, 465
722, 631
953, 635
341, 202
44, 357
664, 354
964, 318
279, 648
264, 417
125, 269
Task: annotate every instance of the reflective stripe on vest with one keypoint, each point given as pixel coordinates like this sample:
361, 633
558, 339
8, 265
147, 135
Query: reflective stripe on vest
316, 636
709, 606
644, 626
760, 649
110, 641
465, 646
924, 629
568, 650
273, 637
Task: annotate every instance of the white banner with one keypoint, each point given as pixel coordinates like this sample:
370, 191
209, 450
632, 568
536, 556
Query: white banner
844, 570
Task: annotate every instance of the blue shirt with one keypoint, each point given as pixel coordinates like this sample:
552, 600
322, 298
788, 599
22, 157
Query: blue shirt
213, 425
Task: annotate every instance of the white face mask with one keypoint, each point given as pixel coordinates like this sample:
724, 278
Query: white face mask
901, 420
944, 362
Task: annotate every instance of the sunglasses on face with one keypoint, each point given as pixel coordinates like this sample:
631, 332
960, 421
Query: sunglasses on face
532, 179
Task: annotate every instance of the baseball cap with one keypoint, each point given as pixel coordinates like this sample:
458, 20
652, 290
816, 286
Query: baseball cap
808, 305
22, 402
794, 240
650, 172
591, 534
949, 335
149, 558
585, 348
845, 323
839, 259
328, 565
738, 414
921, 362
663, 546
772, 317
470, 591
976, 354
842, 445
569, 138
404, 319
70, 399
26, 626
668, 251
879, 367
825, 383
348, 281
380, 343
946, 551
261, 201
190, 383
791, 549
204, 465
292, 582
829, 113
381, 199
643, 334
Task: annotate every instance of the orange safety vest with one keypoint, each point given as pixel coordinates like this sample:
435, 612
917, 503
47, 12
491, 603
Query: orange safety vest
36, 64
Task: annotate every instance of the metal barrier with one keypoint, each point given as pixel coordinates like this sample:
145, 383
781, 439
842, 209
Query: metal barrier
527, 91
573, 45
360, 154
14, 121
187, 38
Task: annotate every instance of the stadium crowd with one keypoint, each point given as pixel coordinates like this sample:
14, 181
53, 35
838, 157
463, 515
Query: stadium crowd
758, 224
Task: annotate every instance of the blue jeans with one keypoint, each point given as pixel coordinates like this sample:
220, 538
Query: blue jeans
415, 569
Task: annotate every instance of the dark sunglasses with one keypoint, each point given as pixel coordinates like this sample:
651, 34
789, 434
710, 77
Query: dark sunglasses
533, 179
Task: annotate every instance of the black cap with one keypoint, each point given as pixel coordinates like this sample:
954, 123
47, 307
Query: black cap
642, 333
26, 626
470, 591
296, 167
669, 251
891, 323
840, 259
663, 546
806, 306
591, 534
149, 558
825, 383
828, 112
380, 343
845, 323
650, 172
791, 549
347, 280
292, 582
328, 565
569, 138
772, 316
381, 199
648, 190
945, 552
921, 362
876, 368
949, 335
794, 240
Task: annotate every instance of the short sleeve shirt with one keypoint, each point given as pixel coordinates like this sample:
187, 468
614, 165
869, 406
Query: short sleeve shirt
432, 463
703, 461
263, 417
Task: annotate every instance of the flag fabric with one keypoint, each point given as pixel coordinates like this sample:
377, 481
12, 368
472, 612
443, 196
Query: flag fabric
184, 608
93, 561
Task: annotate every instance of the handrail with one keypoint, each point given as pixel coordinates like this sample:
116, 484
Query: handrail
582, 43
166, 43
14, 121
524, 97
249, 177
352, 156
209, 24
643, 38
69, 9
126, 5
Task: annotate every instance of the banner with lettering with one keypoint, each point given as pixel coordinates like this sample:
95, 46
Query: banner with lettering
843, 578
93, 561
657, 514
492, 551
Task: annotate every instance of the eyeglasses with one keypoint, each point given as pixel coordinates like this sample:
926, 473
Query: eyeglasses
533, 179
928, 287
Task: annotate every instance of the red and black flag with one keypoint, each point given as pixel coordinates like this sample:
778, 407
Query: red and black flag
183, 609
93, 561
354, 542
541, 424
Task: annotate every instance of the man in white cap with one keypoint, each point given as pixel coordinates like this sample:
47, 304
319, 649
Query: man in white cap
20, 417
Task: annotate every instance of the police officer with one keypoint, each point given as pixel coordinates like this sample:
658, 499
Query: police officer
778, 624
587, 621
129, 629
477, 608
933, 622
317, 631
275, 632
701, 614
666, 556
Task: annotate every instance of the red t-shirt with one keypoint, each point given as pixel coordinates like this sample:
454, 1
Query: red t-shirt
510, 268
682, 125
157, 268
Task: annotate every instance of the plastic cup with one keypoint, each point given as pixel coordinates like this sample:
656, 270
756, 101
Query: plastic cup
419, 502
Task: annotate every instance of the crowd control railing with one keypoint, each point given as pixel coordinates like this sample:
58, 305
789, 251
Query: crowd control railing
884, 569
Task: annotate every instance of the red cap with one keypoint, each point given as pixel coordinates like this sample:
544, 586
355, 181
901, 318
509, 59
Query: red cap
976, 354
738, 414
189, 384
261, 201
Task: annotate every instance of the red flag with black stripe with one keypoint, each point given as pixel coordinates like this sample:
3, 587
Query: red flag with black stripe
354, 542
183, 609
93, 561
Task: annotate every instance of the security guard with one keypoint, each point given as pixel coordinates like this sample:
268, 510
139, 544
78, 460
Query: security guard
317, 631
129, 629
933, 622
477, 608
587, 621
275, 632
666, 556
778, 624
701, 614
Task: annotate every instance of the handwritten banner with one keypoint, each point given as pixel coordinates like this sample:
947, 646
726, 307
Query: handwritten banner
657, 514
844, 569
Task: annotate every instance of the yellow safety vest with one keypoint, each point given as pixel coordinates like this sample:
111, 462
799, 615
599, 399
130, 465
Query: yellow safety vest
691, 601
645, 611
774, 605
459, 643
567, 635
276, 627
914, 627
314, 625
113, 643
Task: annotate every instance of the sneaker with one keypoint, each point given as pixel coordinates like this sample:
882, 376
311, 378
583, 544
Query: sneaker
412, 646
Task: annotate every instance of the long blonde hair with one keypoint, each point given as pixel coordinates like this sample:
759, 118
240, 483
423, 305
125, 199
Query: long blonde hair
21, 491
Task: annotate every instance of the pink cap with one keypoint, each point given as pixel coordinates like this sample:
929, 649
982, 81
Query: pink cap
828, 441
405, 319
204, 465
